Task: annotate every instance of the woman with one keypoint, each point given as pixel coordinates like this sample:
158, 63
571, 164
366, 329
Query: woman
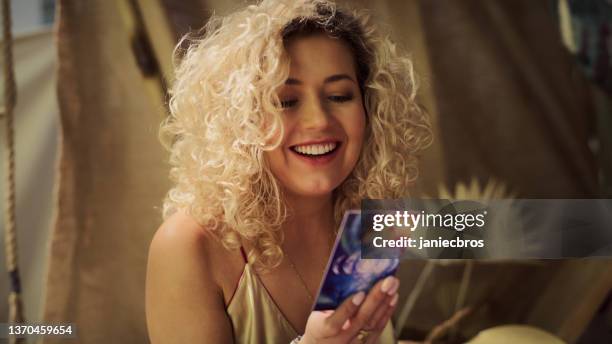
283, 116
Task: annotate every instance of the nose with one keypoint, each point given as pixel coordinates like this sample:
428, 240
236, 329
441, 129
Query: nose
315, 115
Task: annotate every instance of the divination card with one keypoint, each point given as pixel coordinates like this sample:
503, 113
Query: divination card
346, 273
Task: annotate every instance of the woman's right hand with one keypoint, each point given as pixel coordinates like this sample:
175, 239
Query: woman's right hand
359, 312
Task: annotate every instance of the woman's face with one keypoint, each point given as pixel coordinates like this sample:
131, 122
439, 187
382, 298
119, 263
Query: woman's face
323, 117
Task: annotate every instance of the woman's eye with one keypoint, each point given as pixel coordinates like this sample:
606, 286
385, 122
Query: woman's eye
340, 99
288, 103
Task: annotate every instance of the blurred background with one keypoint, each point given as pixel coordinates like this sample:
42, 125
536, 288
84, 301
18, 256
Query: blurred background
519, 96
37, 138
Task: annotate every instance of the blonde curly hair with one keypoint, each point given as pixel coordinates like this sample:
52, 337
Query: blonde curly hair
225, 112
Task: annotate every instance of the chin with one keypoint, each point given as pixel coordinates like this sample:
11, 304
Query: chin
316, 188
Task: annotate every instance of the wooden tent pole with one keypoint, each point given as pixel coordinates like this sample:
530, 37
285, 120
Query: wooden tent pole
152, 42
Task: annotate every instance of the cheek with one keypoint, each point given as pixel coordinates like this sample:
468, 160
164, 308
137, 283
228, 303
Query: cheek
277, 157
272, 129
277, 164
355, 130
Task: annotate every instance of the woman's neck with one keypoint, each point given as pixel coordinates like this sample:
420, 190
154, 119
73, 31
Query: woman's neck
309, 218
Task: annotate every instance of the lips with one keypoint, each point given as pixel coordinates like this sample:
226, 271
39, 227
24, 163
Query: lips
316, 153
317, 149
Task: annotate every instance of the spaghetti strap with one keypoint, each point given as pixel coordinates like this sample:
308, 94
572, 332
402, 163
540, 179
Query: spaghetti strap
244, 256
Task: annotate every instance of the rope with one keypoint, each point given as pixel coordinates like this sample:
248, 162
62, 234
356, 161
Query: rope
10, 239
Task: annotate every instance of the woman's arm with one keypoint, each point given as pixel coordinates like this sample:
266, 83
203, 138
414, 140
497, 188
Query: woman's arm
183, 302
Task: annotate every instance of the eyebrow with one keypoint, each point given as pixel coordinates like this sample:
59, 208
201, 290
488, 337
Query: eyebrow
329, 79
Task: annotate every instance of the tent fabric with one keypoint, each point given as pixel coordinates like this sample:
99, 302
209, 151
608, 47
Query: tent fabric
112, 178
512, 103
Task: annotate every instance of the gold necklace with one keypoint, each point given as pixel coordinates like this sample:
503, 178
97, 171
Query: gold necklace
310, 295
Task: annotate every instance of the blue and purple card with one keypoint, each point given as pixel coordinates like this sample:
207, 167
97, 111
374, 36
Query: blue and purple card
346, 273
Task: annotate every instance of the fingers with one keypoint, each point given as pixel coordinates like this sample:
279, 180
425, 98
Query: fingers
380, 314
380, 326
371, 312
377, 303
384, 319
339, 320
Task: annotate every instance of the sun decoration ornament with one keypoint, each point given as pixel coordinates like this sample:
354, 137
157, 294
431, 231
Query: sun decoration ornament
493, 189
456, 295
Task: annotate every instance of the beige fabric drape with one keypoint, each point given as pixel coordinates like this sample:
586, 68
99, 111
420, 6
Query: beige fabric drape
112, 178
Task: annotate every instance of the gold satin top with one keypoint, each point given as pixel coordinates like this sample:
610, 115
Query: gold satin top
257, 319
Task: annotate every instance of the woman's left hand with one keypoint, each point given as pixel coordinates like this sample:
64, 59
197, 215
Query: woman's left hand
367, 323
373, 324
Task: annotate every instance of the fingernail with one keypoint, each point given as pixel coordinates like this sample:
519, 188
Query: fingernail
387, 284
394, 287
358, 298
393, 300
346, 324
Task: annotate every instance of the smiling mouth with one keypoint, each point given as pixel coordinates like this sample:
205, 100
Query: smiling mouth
316, 150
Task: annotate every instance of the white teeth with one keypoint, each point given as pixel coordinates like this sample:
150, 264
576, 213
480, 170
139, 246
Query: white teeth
317, 149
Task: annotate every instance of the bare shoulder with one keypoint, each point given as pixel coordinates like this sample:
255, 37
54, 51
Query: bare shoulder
181, 288
181, 243
179, 232
181, 237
